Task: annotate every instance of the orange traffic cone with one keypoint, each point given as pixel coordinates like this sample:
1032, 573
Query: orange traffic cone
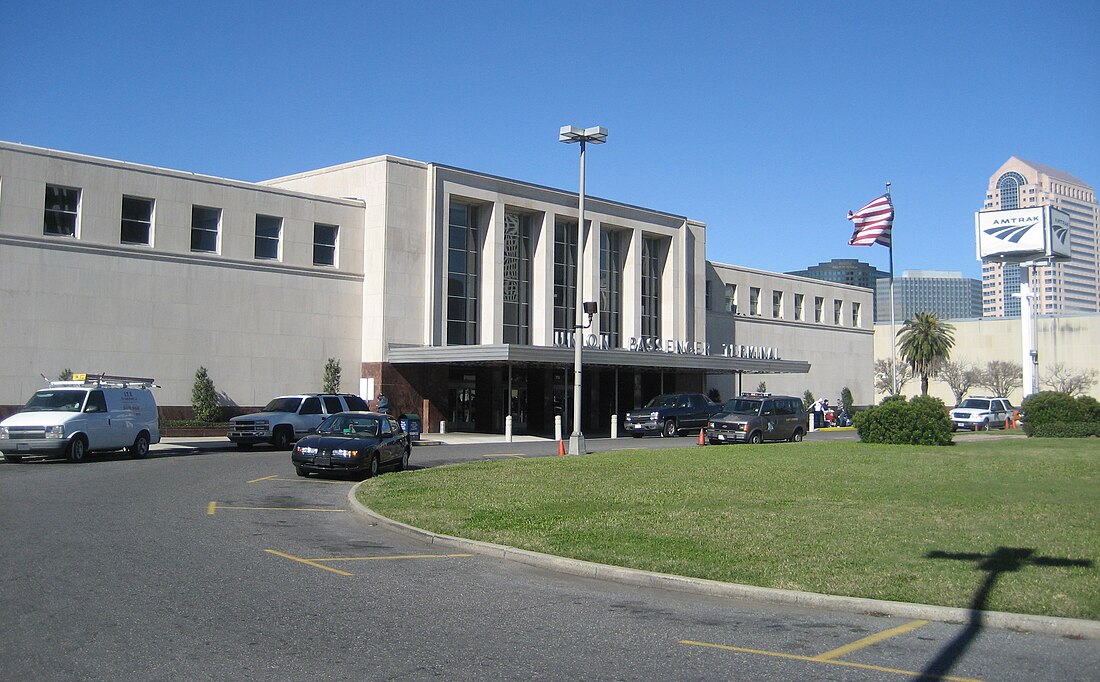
702, 437
1009, 424
561, 448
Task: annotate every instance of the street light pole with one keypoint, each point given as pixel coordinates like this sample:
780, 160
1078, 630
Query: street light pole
595, 135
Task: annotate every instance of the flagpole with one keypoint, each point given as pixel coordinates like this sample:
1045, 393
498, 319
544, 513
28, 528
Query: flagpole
893, 337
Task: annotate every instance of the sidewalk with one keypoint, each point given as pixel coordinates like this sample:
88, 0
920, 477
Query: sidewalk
221, 443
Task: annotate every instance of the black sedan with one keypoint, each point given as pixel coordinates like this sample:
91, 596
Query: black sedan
353, 443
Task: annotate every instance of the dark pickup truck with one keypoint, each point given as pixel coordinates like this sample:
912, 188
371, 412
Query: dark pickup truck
671, 413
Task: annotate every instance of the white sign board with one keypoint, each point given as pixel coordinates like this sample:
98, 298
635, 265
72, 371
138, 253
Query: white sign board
1020, 234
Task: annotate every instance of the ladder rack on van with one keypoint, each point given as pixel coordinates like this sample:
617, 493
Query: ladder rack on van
108, 380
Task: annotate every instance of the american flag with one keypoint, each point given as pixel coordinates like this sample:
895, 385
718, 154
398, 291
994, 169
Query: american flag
873, 223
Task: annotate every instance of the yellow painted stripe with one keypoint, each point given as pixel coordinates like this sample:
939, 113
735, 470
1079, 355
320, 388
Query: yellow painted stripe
872, 639
307, 562
210, 508
265, 478
395, 557
226, 506
812, 659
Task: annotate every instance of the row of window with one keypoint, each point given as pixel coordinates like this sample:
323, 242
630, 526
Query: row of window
61, 218
779, 310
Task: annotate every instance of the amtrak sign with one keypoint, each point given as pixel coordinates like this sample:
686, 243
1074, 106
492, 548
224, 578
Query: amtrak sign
1022, 234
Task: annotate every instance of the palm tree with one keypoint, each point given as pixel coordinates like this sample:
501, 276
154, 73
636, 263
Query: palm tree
924, 343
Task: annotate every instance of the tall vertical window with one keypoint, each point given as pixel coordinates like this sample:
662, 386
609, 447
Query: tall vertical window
651, 288
754, 300
819, 305
777, 304
137, 221
838, 312
268, 231
611, 286
324, 243
62, 207
1009, 187
799, 307
462, 275
517, 278
731, 298
855, 314
565, 276
204, 228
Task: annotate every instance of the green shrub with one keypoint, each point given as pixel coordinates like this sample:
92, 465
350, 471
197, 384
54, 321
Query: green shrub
204, 399
331, 381
920, 421
1050, 414
808, 398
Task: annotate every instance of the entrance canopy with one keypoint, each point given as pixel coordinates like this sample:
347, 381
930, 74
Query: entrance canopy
506, 354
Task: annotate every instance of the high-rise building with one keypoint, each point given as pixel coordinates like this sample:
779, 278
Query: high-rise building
847, 271
1065, 287
948, 295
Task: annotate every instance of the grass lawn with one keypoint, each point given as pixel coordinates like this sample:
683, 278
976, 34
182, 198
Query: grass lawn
887, 522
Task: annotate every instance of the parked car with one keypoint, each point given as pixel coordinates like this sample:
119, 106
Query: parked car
757, 417
982, 413
287, 418
671, 413
91, 413
353, 443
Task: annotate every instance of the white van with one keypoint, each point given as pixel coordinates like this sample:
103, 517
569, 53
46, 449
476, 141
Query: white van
88, 414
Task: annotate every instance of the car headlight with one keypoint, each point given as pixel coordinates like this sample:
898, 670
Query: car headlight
654, 415
307, 450
57, 431
345, 453
3, 433
263, 422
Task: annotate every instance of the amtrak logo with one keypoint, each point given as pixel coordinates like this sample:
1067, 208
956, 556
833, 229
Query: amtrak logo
1012, 229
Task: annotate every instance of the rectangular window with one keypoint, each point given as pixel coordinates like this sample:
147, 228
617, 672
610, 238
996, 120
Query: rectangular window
731, 298
324, 243
268, 232
777, 304
204, 228
611, 286
855, 315
799, 307
463, 248
62, 208
754, 300
838, 312
517, 278
819, 305
137, 221
651, 288
565, 276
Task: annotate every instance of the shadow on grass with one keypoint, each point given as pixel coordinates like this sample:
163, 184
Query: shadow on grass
1001, 560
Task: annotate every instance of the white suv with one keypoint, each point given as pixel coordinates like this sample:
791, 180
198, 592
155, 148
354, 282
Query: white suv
287, 418
981, 412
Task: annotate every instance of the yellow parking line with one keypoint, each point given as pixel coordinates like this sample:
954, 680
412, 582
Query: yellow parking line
868, 641
307, 562
814, 659
394, 557
210, 508
265, 478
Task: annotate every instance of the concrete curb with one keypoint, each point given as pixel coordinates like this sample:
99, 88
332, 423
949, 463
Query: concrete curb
1048, 625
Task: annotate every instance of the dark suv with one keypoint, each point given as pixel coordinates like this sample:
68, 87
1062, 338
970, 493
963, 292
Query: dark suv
670, 413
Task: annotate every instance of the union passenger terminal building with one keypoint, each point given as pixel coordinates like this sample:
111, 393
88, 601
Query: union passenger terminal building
451, 291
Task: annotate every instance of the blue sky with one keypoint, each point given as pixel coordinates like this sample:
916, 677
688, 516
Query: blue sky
767, 121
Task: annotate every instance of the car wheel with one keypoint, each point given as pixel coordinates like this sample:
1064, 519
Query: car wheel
985, 425
282, 438
670, 429
301, 472
140, 448
13, 459
756, 438
403, 463
78, 450
796, 437
372, 468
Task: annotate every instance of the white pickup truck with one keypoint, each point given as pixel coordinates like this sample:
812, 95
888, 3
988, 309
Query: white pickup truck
287, 418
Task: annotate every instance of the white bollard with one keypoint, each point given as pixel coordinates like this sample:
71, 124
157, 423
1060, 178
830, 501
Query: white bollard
614, 426
508, 428
442, 427
557, 427
810, 429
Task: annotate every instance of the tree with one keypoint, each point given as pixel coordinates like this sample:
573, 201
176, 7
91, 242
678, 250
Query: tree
884, 378
332, 376
762, 387
846, 399
924, 343
808, 398
1001, 377
960, 377
66, 375
204, 399
1064, 380
714, 395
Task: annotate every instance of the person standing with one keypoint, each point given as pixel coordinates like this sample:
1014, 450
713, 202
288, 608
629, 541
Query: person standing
382, 405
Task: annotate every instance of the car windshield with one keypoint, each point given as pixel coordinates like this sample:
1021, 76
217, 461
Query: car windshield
975, 404
283, 405
55, 401
349, 425
742, 406
662, 401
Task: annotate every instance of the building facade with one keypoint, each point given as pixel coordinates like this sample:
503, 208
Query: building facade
851, 272
1067, 287
451, 291
948, 295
